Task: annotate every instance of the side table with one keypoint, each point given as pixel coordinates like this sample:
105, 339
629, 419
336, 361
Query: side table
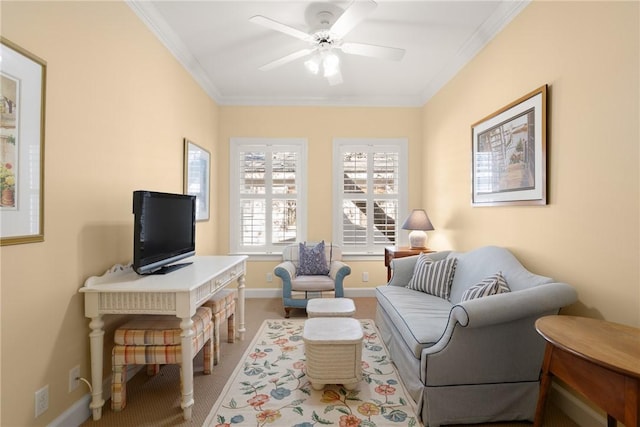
600, 360
391, 252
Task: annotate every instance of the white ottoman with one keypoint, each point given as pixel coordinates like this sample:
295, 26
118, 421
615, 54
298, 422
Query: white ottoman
333, 348
330, 307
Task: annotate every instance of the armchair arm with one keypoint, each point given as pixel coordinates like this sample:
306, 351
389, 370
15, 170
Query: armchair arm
285, 271
338, 271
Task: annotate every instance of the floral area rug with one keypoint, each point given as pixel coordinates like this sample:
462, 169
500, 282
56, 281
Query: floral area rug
269, 387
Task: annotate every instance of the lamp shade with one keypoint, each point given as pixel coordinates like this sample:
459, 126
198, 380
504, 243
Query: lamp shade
418, 222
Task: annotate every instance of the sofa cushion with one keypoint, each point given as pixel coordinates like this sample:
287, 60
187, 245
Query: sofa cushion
492, 285
313, 261
312, 283
420, 318
433, 277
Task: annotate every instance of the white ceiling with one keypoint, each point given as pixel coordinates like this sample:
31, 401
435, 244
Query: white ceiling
217, 44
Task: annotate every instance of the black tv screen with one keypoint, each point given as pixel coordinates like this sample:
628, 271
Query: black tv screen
164, 230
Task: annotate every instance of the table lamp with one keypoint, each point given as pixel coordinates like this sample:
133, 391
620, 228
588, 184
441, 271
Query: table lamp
418, 222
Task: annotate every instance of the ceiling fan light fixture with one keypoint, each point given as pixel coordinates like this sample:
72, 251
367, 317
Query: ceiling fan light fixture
313, 64
331, 64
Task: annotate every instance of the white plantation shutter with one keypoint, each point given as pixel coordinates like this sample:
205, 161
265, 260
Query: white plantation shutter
267, 198
370, 186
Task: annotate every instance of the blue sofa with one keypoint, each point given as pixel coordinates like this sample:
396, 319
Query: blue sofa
472, 361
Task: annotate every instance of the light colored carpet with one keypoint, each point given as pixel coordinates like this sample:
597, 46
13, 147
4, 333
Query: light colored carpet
155, 401
271, 386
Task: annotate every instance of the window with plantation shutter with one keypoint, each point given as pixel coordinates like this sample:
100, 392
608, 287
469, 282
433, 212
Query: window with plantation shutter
370, 188
267, 199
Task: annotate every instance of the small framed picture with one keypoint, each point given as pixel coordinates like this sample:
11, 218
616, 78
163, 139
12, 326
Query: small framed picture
197, 164
509, 154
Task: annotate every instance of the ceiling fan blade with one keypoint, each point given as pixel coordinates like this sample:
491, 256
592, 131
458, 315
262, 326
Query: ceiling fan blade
335, 79
382, 52
285, 59
275, 25
352, 16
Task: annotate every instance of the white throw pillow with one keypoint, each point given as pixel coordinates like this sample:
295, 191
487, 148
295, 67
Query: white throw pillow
433, 278
492, 285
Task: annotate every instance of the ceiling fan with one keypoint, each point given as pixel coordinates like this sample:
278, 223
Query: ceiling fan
328, 37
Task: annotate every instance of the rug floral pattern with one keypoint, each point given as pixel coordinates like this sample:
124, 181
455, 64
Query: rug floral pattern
270, 388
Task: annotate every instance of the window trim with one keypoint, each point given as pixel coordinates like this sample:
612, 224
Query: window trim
399, 145
237, 144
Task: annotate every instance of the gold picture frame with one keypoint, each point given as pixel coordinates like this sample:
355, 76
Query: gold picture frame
22, 119
509, 154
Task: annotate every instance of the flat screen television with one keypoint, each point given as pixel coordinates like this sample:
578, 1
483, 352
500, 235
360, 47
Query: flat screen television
164, 231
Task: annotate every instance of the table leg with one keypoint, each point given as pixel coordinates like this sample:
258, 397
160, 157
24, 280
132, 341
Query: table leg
186, 369
96, 343
241, 326
545, 384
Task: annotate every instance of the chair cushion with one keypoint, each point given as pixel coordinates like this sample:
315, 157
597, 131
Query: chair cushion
492, 285
312, 283
146, 330
433, 278
312, 260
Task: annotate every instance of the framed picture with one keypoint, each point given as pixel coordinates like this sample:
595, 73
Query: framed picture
509, 154
22, 106
197, 164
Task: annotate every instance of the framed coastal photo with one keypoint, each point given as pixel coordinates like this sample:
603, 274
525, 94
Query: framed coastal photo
197, 164
509, 151
22, 113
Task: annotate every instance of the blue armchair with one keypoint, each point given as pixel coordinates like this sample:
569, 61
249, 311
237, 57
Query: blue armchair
298, 289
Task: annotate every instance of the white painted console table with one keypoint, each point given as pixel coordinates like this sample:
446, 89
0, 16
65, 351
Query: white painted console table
122, 291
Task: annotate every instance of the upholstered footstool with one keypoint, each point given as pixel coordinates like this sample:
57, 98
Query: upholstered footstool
155, 340
331, 307
333, 348
223, 308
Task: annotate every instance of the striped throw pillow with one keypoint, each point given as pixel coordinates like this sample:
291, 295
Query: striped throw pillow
492, 285
433, 278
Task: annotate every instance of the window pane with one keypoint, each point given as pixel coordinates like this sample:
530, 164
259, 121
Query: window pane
355, 172
385, 173
252, 172
252, 222
385, 217
354, 222
284, 173
284, 221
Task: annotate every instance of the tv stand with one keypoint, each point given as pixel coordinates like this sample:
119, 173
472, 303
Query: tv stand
168, 268
123, 291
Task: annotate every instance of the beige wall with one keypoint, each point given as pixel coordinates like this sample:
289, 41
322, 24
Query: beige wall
118, 107
319, 125
588, 234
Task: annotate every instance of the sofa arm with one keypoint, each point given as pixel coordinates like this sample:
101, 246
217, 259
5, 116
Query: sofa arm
285, 271
510, 306
338, 271
494, 338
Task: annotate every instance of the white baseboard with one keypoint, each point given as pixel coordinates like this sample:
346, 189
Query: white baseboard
581, 413
277, 292
80, 412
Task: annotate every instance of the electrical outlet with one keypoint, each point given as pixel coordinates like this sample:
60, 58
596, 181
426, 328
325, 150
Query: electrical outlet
269, 277
42, 400
74, 375
365, 276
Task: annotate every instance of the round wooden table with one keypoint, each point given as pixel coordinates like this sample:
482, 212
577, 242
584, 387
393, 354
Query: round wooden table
599, 359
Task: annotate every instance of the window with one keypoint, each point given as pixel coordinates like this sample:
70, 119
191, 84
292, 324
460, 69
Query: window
370, 193
267, 200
